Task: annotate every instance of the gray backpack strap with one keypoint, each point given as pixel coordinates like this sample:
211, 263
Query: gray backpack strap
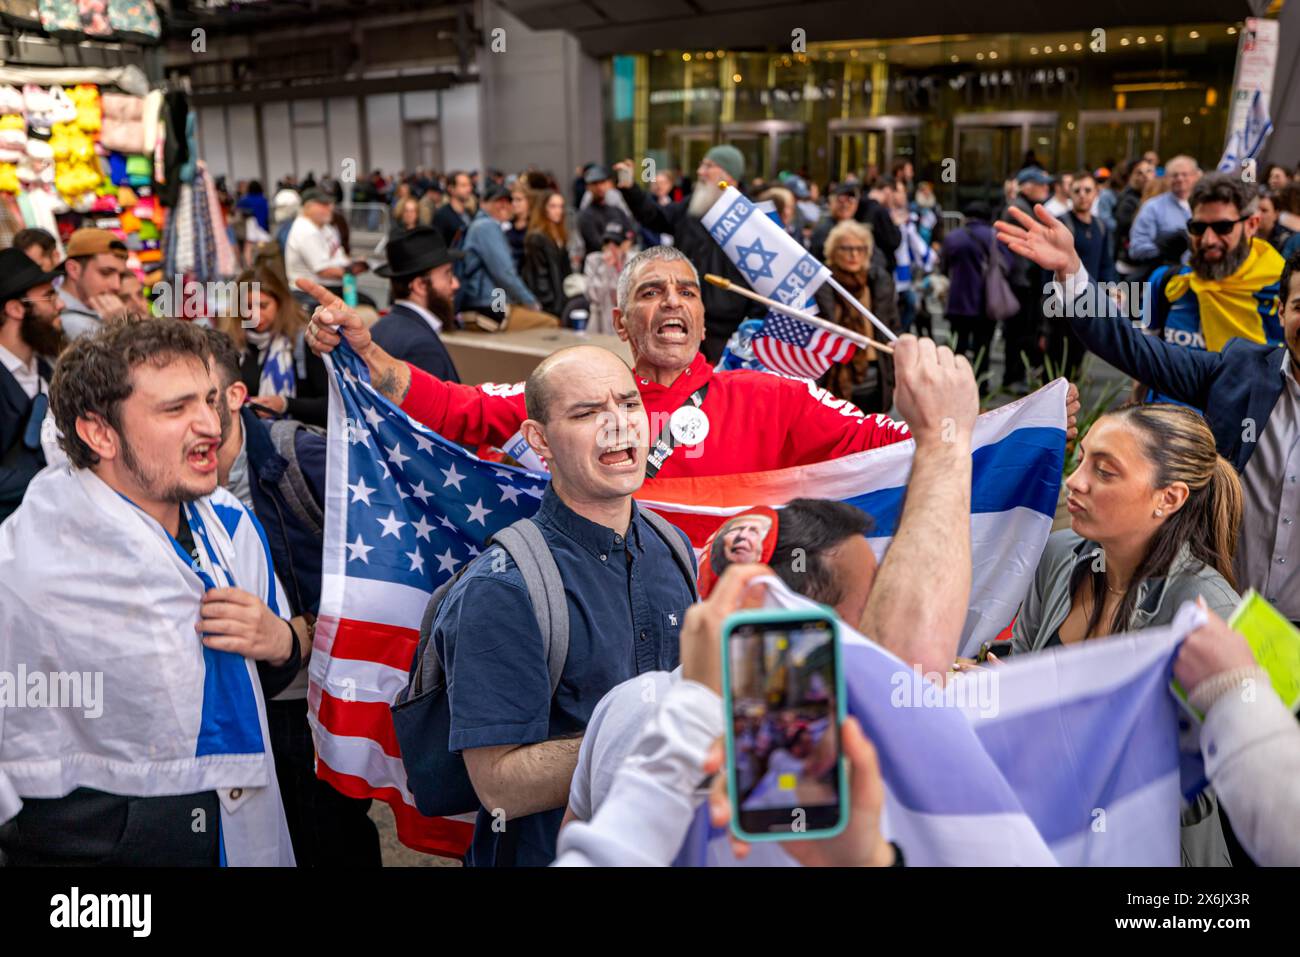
524, 541
429, 674
293, 484
673, 539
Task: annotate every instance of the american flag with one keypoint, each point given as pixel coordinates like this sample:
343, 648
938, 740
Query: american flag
795, 348
404, 509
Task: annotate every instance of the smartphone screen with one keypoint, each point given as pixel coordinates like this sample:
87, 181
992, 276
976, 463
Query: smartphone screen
785, 732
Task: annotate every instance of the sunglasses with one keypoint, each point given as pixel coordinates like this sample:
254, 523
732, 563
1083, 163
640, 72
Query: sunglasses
1221, 227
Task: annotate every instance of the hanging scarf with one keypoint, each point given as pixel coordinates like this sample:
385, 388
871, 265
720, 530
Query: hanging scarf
842, 377
171, 716
275, 355
1242, 305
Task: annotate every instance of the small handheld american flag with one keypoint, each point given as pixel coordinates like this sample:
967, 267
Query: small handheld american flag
795, 348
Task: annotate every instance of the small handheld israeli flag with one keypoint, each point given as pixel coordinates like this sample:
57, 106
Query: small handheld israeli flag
772, 261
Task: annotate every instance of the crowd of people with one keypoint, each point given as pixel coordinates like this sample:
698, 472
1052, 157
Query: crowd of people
183, 465
900, 254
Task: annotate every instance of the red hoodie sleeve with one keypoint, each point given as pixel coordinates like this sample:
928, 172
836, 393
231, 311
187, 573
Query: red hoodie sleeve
824, 427
466, 413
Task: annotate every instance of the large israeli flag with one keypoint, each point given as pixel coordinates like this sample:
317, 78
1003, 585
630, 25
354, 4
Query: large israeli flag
1019, 452
1066, 757
1247, 141
93, 587
773, 263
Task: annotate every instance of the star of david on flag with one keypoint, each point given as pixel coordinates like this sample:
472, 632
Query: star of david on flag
769, 258
764, 268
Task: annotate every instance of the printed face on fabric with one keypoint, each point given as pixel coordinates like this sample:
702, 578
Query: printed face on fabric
749, 537
664, 322
742, 538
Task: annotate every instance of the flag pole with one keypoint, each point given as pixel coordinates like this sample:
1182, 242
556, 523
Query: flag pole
857, 304
855, 337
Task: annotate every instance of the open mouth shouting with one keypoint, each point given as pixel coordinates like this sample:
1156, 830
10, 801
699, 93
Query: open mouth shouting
202, 457
622, 458
673, 330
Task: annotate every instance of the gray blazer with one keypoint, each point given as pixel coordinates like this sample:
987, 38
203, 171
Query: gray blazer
1048, 604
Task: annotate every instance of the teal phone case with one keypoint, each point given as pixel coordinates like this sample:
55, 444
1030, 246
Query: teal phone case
775, 616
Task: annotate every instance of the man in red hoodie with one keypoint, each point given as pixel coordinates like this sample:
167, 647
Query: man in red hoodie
706, 422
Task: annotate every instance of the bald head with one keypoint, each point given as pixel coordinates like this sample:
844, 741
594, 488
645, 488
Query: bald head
586, 421
1182, 173
571, 364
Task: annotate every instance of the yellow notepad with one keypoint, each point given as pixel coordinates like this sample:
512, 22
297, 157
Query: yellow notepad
1275, 642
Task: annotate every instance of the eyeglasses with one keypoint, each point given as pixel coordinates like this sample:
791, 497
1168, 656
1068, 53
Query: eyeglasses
1221, 227
852, 250
52, 296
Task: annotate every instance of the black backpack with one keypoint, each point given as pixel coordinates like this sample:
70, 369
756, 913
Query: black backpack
435, 775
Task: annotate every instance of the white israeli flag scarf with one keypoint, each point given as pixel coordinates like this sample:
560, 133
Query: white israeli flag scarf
279, 368
97, 612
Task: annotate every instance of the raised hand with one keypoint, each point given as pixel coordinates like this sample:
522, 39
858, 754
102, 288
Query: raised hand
701, 638
332, 317
1072, 406
935, 391
1047, 242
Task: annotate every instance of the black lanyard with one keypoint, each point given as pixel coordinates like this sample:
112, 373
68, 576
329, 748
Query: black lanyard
665, 444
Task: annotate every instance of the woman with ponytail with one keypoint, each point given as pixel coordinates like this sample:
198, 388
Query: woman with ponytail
1154, 516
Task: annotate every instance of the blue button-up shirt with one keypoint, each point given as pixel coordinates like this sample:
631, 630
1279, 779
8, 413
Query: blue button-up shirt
1158, 217
627, 598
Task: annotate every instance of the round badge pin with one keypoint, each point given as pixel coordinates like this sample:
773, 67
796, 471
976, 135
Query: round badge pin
689, 425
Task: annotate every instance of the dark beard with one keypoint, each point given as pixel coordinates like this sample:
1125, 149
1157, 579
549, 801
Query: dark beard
442, 309
226, 417
41, 334
151, 482
1226, 266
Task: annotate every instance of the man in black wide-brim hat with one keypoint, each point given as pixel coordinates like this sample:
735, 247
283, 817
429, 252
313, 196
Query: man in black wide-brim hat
423, 288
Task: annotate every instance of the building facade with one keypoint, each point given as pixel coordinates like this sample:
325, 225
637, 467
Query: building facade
967, 110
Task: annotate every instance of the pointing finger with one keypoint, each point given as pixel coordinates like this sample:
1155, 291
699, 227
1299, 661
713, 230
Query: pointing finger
319, 293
